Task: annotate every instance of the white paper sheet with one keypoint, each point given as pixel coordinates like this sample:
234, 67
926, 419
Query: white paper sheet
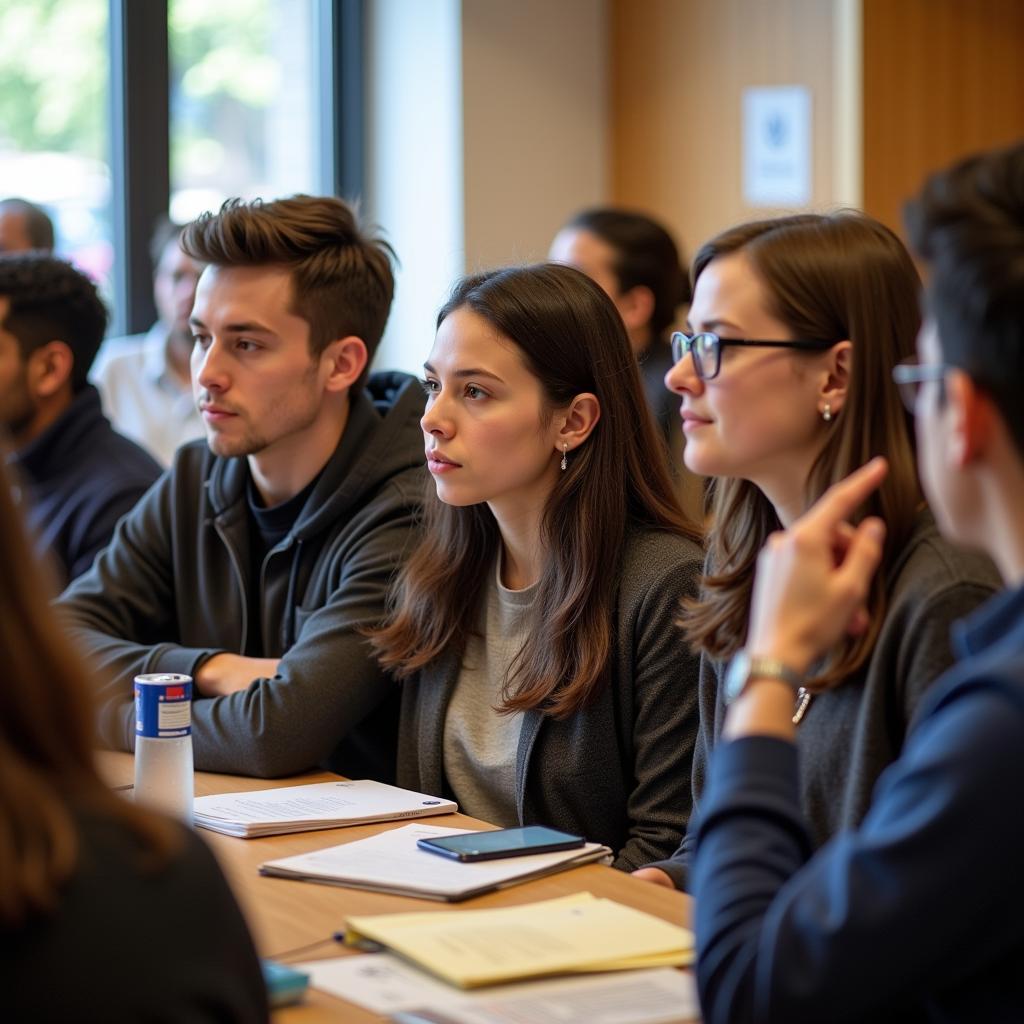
391, 861
321, 801
384, 984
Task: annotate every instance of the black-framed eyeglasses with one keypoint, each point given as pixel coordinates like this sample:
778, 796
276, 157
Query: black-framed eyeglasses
910, 375
706, 349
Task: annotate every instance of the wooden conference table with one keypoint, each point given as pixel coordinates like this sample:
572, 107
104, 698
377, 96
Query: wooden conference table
285, 914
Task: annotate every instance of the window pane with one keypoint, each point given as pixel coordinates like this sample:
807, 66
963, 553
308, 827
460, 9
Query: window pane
53, 121
243, 102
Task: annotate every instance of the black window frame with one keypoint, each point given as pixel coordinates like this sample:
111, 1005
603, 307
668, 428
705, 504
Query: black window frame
139, 108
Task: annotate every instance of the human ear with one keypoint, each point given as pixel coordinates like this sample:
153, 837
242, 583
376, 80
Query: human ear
345, 359
969, 414
836, 377
636, 307
578, 421
49, 368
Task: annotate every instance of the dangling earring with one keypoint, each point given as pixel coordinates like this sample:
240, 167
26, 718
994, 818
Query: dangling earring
826, 413
565, 459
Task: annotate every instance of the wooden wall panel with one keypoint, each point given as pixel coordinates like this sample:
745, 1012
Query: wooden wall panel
942, 78
678, 71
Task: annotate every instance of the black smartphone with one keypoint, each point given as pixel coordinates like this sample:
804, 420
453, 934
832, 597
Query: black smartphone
503, 842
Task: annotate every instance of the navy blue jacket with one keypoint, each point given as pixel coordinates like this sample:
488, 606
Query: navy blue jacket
918, 914
81, 476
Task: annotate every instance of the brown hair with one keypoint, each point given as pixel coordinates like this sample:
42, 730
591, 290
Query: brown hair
47, 771
342, 282
572, 339
841, 275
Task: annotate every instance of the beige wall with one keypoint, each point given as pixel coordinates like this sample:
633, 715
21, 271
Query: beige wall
535, 122
487, 128
942, 78
678, 71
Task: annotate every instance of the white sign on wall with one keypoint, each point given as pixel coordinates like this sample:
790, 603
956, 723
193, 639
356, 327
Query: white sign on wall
777, 146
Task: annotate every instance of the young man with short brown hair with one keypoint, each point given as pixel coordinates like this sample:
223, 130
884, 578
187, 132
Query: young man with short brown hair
265, 551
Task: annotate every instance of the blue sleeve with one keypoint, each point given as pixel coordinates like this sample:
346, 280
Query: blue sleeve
928, 889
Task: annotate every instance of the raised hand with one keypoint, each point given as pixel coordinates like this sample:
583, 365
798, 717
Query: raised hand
812, 579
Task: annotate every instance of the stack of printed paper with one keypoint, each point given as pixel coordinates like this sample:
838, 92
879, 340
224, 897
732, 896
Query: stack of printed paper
385, 984
574, 934
270, 812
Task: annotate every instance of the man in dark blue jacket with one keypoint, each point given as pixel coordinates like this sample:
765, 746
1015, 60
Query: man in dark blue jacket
917, 913
79, 476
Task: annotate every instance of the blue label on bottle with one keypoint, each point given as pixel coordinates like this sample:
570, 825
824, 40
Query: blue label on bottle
163, 706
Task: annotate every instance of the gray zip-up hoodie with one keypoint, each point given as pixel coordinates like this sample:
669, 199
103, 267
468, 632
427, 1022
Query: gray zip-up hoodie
173, 588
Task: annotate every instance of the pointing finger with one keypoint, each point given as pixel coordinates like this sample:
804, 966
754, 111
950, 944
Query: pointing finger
863, 556
841, 500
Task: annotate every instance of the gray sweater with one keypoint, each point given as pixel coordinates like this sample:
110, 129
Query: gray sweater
850, 734
617, 772
480, 746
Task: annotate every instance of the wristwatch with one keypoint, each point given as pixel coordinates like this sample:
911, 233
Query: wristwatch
743, 668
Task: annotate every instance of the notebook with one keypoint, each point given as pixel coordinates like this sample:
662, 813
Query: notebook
570, 935
271, 812
391, 862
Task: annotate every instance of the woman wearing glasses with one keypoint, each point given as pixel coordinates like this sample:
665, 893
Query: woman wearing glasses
534, 627
785, 387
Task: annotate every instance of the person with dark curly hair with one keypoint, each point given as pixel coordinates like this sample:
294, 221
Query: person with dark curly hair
79, 475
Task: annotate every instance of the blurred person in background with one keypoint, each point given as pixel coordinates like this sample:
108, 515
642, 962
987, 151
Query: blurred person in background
637, 263
79, 475
144, 379
107, 912
24, 227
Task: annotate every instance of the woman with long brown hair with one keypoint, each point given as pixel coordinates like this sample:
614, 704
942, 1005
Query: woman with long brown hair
107, 912
533, 628
785, 385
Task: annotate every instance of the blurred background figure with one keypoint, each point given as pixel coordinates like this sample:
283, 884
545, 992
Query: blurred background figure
637, 263
144, 379
79, 476
24, 226
635, 260
78, 864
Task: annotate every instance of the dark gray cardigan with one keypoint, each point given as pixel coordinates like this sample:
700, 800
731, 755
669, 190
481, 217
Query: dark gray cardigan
850, 734
617, 772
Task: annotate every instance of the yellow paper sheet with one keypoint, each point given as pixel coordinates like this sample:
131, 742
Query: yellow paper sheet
577, 933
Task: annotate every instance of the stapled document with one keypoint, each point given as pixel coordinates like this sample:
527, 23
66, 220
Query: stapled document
270, 812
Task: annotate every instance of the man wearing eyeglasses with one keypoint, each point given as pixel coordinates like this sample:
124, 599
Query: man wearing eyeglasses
916, 913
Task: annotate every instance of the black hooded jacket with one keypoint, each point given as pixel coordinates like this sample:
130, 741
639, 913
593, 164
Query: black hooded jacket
174, 588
